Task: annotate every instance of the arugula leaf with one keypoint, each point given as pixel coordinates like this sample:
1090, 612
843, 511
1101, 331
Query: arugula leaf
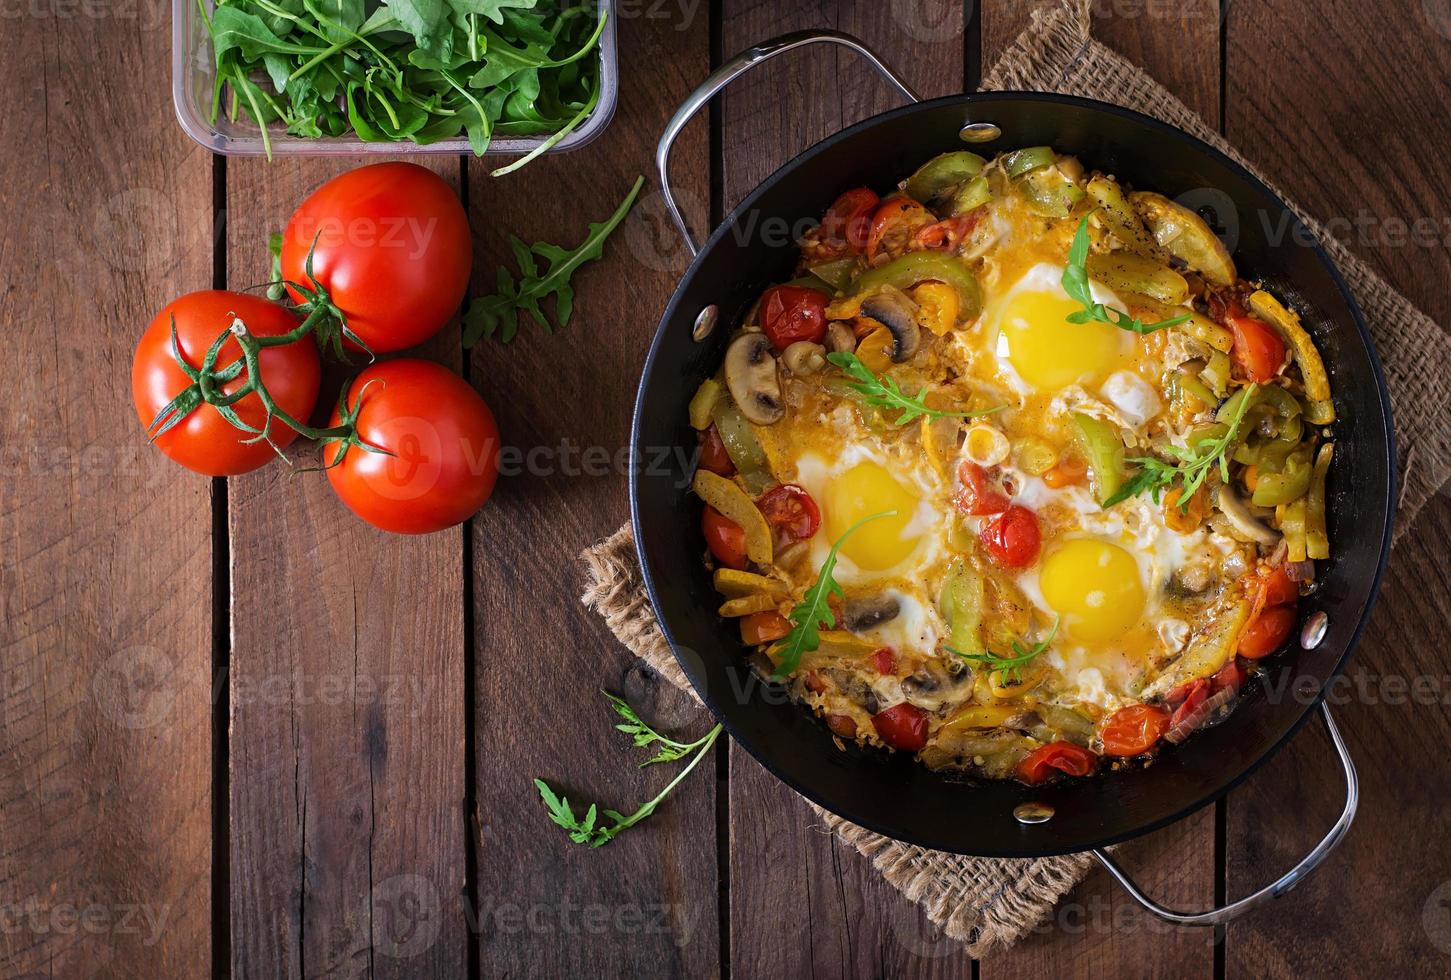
1195, 462
417, 70
814, 609
499, 312
1011, 667
1075, 284
587, 830
883, 392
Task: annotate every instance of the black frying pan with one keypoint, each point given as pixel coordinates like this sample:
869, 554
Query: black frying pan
891, 793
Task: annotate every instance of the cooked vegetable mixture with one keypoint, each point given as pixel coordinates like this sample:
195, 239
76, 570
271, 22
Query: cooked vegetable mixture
1017, 474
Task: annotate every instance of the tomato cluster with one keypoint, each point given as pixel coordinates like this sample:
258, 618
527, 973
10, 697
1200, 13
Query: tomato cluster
375, 261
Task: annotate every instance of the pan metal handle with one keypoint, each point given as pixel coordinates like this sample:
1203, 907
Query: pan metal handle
1290, 879
734, 68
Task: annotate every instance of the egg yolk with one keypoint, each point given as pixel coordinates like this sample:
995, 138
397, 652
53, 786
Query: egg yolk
866, 489
1095, 587
1050, 353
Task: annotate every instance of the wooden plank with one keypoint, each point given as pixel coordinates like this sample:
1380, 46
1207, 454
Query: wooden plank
1098, 928
347, 741
803, 903
1367, 174
105, 561
645, 905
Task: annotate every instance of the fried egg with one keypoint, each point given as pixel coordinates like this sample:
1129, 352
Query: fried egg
1038, 350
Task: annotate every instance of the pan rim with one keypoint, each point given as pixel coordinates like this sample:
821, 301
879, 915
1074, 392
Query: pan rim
1308, 705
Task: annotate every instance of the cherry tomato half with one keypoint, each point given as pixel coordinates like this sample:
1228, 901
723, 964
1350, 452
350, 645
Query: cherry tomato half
885, 660
204, 441
391, 245
848, 220
443, 442
791, 513
1134, 730
725, 538
1277, 588
902, 726
1063, 757
949, 232
895, 223
713, 455
1231, 677
1258, 351
1266, 632
1013, 538
978, 494
792, 313
763, 627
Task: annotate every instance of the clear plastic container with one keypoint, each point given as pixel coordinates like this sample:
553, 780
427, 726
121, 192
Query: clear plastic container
193, 70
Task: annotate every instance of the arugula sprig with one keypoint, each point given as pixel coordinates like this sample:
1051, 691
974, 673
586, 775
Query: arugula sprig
1010, 668
814, 610
883, 392
488, 314
1193, 468
588, 829
1075, 284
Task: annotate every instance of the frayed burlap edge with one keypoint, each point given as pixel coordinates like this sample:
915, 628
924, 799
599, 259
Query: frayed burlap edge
983, 902
976, 901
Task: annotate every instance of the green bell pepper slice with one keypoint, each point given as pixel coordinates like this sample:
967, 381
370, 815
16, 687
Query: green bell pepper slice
914, 267
1105, 452
938, 177
960, 603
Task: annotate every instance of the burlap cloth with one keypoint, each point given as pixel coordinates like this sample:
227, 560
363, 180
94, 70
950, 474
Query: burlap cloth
979, 901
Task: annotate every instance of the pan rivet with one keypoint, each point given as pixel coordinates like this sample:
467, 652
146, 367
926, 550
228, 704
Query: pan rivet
1314, 630
705, 322
1032, 813
979, 132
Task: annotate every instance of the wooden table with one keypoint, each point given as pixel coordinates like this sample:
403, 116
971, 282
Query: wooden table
242, 732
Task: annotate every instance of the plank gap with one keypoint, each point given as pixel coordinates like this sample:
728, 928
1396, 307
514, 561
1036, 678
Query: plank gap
472, 935
221, 651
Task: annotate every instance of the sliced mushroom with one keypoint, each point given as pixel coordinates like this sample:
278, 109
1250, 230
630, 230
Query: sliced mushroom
804, 357
895, 310
863, 614
750, 373
1243, 521
930, 688
839, 338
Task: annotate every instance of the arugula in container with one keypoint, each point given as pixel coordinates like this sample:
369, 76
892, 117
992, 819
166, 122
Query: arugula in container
416, 70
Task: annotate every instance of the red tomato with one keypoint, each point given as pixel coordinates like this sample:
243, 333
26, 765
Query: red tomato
1266, 632
848, 220
713, 455
204, 441
1194, 693
791, 512
1061, 756
1277, 588
949, 232
393, 250
885, 660
1134, 730
444, 443
763, 627
902, 726
978, 493
792, 313
1013, 538
1231, 676
725, 538
895, 223
1258, 351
